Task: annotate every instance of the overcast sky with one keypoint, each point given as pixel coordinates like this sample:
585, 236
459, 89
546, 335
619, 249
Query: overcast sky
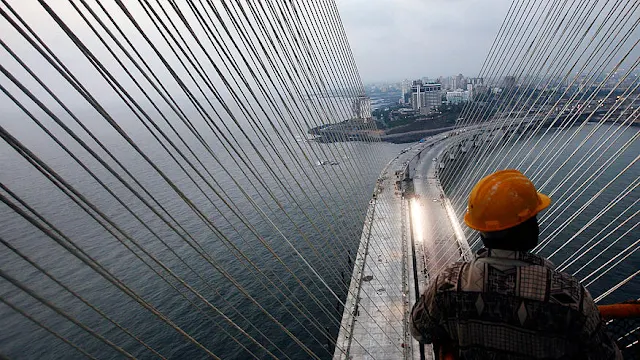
397, 39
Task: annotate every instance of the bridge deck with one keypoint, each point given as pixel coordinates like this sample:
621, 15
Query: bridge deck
374, 319
399, 232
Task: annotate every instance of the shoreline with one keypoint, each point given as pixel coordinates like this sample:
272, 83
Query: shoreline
324, 135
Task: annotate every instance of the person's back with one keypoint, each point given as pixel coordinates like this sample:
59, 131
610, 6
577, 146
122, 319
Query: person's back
511, 305
508, 303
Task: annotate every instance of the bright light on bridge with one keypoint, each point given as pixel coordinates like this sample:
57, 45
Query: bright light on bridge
418, 220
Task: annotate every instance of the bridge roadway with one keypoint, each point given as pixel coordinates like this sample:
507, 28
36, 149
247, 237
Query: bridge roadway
405, 239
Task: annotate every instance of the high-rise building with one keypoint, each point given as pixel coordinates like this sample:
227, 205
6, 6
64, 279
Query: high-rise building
460, 82
405, 90
476, 88
457, 96
425, 97
362, 108
509, 82
446, 82
476, 81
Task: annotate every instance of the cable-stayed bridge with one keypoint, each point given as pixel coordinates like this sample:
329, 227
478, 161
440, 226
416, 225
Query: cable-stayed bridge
162, 196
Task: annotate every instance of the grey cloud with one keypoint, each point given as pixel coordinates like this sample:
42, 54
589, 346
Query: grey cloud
392, 40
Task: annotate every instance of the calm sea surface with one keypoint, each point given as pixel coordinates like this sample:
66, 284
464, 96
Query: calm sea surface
323, 212
316, 212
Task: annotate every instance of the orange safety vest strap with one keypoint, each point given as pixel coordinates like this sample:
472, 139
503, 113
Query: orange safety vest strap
620, 311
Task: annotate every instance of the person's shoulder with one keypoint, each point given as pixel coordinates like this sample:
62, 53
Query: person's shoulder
563, 279
448, 279
536, 259
565, 289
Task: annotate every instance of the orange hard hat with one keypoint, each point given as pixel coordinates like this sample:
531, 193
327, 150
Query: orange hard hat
503, 200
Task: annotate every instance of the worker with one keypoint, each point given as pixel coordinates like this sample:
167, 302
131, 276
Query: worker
508, 303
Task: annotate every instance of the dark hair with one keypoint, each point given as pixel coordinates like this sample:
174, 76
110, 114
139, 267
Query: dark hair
521, 237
